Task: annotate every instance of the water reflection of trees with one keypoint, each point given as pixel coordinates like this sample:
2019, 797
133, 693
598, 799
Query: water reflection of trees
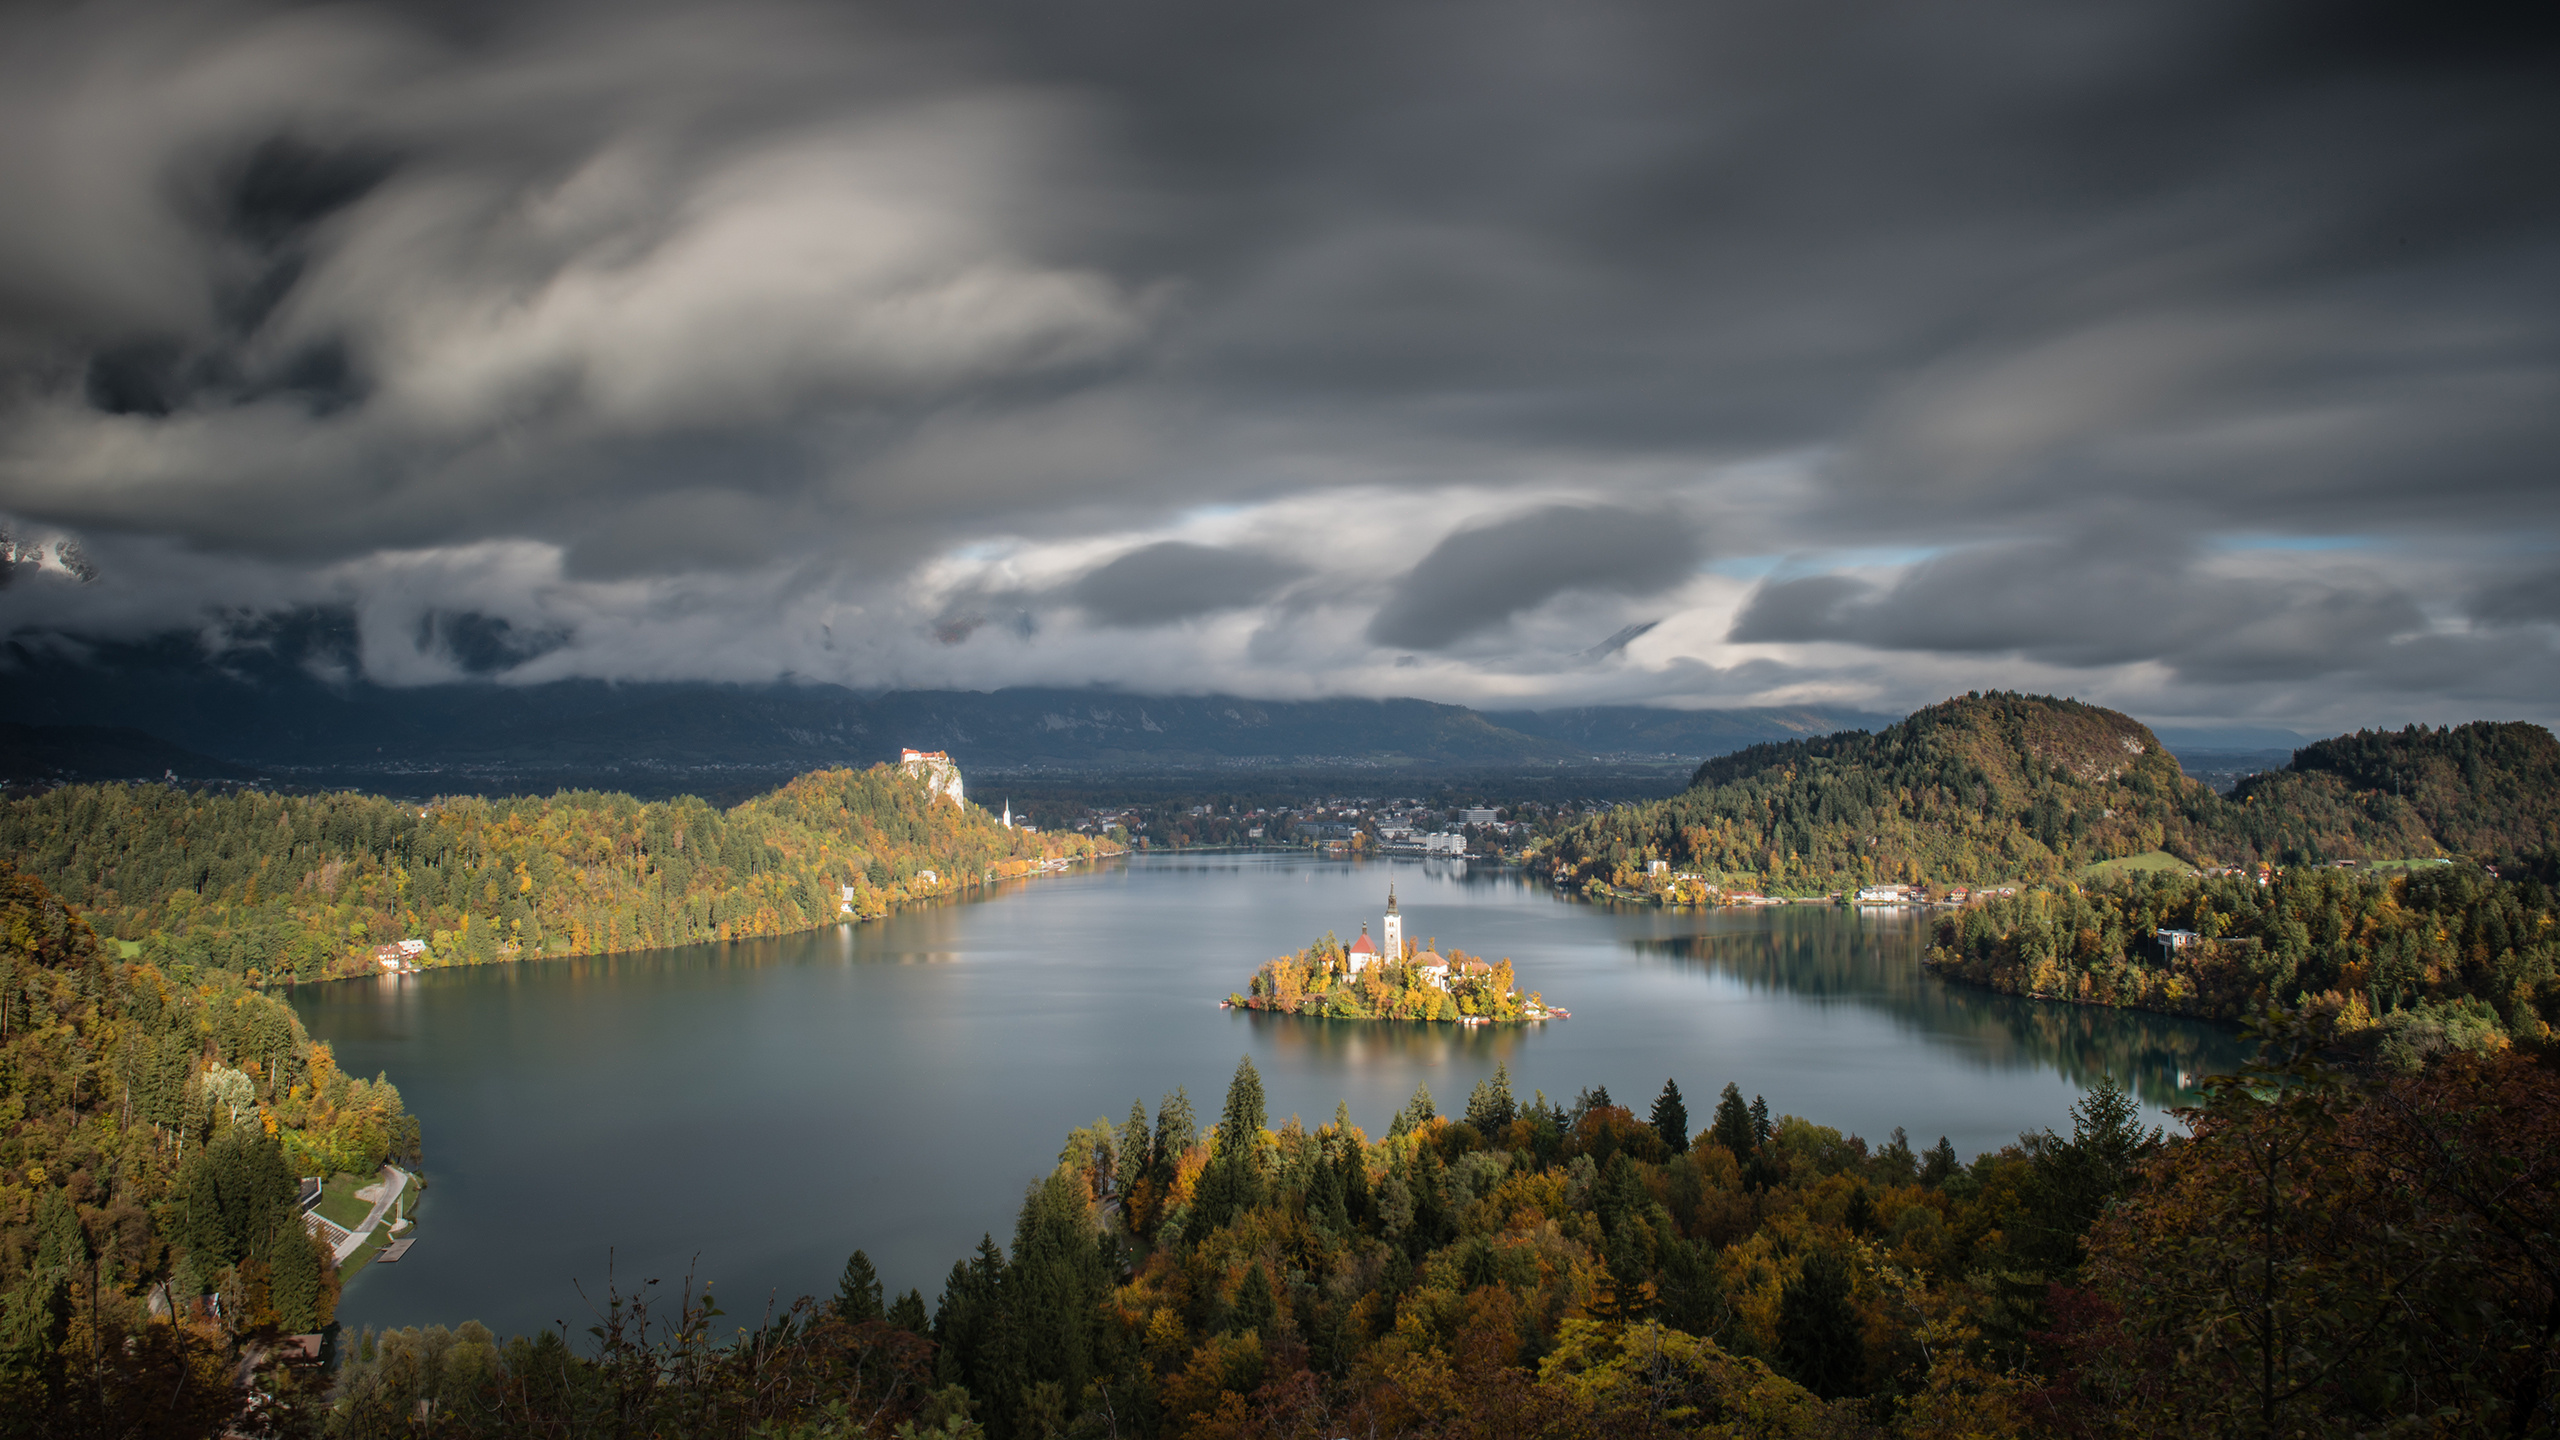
1837, 957
1356, 1044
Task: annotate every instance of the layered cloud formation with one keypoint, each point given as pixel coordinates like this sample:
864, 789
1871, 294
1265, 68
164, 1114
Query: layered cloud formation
2203, 359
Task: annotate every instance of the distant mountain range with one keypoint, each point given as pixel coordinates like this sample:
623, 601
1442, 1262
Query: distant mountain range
275, 709
102, 752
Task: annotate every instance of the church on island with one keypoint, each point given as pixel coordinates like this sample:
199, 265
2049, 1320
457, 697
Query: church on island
1391, 978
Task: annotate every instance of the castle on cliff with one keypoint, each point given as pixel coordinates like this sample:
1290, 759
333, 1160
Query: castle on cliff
934, 766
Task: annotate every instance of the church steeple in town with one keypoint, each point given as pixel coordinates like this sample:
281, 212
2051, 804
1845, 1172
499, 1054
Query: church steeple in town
1393, 932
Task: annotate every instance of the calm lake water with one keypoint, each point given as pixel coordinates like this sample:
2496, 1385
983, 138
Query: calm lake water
754, 1111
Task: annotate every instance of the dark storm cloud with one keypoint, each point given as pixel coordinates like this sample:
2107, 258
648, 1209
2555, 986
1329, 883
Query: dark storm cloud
1175, 580
1485, 574
715, 333
2110, 600
2523, 600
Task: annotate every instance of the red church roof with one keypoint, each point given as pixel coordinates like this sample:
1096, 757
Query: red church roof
1362, 946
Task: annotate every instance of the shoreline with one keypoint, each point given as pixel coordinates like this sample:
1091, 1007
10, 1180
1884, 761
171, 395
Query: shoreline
952, 896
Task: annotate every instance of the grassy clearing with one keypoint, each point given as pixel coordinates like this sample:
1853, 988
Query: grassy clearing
338, 1202
2149, 860
2403, 864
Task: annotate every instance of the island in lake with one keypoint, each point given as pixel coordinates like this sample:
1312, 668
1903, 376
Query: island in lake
1391, 979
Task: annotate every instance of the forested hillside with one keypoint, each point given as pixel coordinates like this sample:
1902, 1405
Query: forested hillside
152, 1123
2489, 791
1535, 1270
1983, 787
303, 887
2446, 957
2030, 789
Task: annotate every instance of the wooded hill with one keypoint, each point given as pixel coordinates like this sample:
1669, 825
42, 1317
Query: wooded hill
304, 887
2025, 788
152, 1122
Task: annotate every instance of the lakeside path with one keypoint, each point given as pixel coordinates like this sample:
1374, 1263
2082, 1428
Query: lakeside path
382, 1204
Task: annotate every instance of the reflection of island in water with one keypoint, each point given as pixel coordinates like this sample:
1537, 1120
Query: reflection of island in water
1831, 956
1336, 1045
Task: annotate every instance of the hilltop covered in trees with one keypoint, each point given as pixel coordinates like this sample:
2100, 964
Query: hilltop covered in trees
2024, 788
2329, 1254
152, 1123
304, 887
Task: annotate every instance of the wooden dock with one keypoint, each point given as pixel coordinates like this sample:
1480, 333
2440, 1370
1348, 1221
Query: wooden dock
395, 1250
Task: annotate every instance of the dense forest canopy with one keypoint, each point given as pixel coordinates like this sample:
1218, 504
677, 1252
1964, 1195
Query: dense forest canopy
2443, 956
153, 1121
2029, 789
304, 887
2329, 1254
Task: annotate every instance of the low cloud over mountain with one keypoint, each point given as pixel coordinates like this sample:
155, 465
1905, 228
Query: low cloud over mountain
2198, 359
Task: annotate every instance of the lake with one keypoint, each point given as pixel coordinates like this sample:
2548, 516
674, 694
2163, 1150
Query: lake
754, 1111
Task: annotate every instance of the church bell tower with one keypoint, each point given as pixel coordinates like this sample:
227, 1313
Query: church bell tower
1394, 931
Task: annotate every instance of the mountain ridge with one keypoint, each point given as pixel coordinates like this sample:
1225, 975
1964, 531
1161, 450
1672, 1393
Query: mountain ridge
2004, 786
283, 706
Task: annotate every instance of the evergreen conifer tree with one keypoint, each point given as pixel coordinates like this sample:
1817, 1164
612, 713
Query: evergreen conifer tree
1135, 1154
1240, 1128
1819, 1345
1692, 1301
1416, 1110
1671, 1118
1732, 1127
968, 1323
293, 1279
1354, 1164
1233, 1181
1760, 1129
1055, 1287
1177, 1130
858, 1291
1490, 1107
1257, 1308
907, 1313
1938, 1163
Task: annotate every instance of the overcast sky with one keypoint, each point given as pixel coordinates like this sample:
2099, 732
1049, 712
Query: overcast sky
2202, 360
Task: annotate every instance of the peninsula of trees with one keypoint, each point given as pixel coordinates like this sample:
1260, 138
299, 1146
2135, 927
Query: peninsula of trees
306, 887
1426, 985
2443, 931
